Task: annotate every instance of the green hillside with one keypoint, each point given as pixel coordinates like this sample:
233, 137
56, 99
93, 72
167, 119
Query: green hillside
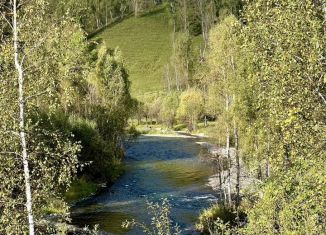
146, 45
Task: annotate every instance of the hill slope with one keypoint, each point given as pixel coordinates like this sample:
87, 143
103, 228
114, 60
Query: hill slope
146, 45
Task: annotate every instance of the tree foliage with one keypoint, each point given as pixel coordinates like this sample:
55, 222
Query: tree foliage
77, 104
191, 106
266, 77
52, 152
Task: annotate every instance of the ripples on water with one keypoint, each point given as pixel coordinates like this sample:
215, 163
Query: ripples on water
156, 168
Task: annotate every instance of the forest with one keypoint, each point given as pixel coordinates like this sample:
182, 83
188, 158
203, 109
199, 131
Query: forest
81, 80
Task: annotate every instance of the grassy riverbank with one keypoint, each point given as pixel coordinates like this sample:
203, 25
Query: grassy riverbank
80, 189
178, 130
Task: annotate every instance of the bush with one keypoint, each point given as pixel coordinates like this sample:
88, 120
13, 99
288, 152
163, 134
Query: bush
180, 127
218, 219
161, 223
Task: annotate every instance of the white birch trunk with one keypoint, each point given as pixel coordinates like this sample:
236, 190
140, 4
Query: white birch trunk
220, 176
22, 133
229, 199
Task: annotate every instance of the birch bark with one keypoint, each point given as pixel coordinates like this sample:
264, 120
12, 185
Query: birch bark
22, 133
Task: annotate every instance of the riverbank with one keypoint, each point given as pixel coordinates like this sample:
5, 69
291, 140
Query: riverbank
176, 134
82, 188
157, 167
247, 179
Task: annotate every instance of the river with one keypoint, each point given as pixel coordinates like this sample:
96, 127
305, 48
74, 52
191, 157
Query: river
156, 168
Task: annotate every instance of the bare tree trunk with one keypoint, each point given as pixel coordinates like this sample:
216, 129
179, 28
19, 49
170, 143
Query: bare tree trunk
229, 165
106, 14
22, 126
229, 199
136, 7
220, 171
98, 20
237, 157
267, 168
185, 15
203, 26
187, 74
259, 170
174, 61
267, 160
194, 123
167, 77
111, 16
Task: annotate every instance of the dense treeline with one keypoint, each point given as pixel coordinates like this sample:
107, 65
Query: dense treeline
192, 22
271, 96
65, 104
261, 75
94, 14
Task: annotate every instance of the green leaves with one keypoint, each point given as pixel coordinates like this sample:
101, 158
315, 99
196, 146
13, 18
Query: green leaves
271, 73
191, 106
287, 43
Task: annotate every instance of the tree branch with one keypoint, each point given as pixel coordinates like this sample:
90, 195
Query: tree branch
36, 46
10, 132
36, 95
317, 91
4, 17
33, 65
11, 153
321, 96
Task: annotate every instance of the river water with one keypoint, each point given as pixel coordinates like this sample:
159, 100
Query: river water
157, 167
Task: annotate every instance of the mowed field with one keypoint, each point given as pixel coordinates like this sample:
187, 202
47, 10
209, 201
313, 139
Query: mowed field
146, 45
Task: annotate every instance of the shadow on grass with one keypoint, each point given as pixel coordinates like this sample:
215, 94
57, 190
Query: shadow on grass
111, 24
154, 12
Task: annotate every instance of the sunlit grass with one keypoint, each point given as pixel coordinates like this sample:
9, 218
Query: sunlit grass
146, 45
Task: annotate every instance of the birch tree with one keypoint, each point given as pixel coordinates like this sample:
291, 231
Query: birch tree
223, 73
287, 43
207, 17
22, 123
37, 159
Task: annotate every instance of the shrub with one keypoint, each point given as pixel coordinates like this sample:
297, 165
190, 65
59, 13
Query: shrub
161, 223
218, 219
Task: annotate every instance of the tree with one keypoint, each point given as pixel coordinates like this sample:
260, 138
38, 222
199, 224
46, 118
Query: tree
91, 14
182, 60
286, 72
169, 108
140, 5
223, 72
207, 17
31, 143
191, 106
110, 106
22, 123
